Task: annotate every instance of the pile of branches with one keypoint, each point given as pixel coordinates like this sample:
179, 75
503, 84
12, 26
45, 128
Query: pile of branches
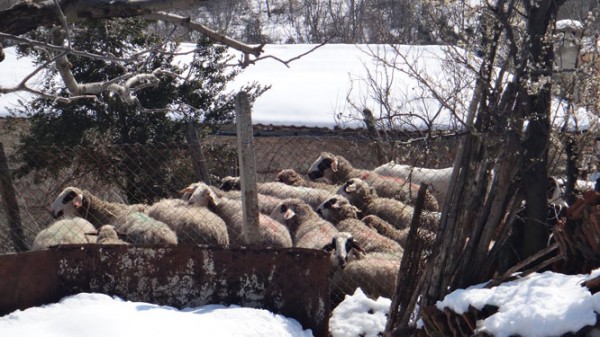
575, 250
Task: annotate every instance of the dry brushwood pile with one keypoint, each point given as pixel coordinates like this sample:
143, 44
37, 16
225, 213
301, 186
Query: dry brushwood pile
576, 239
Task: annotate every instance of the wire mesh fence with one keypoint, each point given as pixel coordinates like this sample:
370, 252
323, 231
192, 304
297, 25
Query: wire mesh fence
151, 194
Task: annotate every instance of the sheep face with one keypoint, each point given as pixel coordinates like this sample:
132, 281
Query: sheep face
203, 196
336, 209
291, 212
356, 190
555, 193
345, 247
67, 203
230, 183
187, 192
323, 167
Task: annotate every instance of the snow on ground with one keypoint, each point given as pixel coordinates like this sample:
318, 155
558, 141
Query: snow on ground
539, 305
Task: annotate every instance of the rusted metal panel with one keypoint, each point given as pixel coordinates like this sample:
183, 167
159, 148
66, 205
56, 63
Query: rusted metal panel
292, 282
26, 280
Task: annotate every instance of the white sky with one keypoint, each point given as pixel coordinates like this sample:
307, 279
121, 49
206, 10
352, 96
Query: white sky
329, 86
540, 305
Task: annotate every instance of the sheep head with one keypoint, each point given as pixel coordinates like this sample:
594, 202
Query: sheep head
230, 183
336, 209
357, 191
345, 247
291, 212
203, 196
323, 167
67, 203
289, 177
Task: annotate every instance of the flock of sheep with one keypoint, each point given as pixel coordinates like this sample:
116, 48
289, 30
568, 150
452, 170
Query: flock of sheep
360, 216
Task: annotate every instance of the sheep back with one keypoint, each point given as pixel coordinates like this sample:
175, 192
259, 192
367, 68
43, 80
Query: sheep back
65, 231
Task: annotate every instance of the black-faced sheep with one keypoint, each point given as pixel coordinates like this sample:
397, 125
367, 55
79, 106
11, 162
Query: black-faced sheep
399, 214
193, 225
437, 179
65, 231
267, 233
344, 216
375, 273
136, 226
339, 170
293, 178
308, 229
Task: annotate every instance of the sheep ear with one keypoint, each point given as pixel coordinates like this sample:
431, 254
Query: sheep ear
356, 246
288, 214
350, 188
188, 189
334, 165
78, 201
212, 198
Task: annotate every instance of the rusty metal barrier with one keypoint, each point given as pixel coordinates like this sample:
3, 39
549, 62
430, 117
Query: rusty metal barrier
291, 282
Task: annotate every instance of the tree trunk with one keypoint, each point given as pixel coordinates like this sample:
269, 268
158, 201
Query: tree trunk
198, 158
11, 207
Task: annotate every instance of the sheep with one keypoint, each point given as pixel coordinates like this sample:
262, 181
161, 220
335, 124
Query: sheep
127, 219
344, 216
312, 196
437, 179
375, 273
293, 178
107, 235
338, 169
66, 231
399, 214
193, 225
267, 233
308, 229
399, 235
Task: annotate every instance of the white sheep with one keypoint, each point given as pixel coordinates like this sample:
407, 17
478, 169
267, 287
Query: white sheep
399, 214
312, 196
193, 225
267, 233
128, 220
107, 235
375, 273
66, 231
308, 229
399, 235
293, 178
437, 179
344, 216
338, 170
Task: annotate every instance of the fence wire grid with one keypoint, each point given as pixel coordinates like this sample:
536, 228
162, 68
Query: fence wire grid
141, 193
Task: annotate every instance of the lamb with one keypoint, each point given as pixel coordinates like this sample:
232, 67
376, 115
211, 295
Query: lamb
344, 216
338, 169
293, 178
66, 231
375, 273
399, 214
193, 225
437, 179
128, 220
267, 233
107, 235
308, 229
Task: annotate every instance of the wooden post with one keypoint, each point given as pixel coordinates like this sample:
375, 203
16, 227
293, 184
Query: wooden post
198, 159
245, 143
7, 191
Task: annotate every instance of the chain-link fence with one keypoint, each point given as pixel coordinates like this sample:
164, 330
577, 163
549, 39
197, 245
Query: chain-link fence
146, 195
